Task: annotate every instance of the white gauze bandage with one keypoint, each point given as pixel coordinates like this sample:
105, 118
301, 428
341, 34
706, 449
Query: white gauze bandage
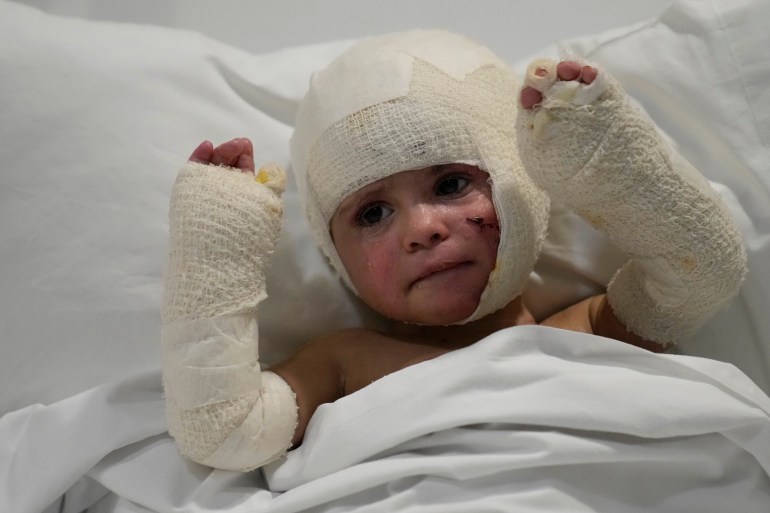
589, 147
222, 411
411, 100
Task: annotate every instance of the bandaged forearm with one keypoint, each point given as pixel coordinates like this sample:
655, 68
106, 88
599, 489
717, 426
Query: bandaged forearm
593, 150
221, 410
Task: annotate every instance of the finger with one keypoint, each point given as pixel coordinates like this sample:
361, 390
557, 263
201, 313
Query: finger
568, 70
246, 159
245, 163
248, 148
203, 153
588, 74
530, 97
226, 154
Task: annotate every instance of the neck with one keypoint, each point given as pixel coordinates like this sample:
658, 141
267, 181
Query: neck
461, 335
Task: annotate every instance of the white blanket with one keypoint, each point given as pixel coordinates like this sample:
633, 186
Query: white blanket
528, 419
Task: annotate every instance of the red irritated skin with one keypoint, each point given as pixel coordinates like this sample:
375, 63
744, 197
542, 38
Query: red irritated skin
419, 245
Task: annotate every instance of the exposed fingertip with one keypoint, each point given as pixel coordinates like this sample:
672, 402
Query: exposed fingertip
588, 74
245, 163
202, 153
530, 97
568, 70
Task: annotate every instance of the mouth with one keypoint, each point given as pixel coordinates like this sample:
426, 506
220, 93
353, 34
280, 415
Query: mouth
438, 269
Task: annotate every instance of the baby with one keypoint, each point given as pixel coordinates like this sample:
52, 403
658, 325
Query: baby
426, 171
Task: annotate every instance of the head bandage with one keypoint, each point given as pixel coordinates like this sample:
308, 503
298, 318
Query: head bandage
408, 101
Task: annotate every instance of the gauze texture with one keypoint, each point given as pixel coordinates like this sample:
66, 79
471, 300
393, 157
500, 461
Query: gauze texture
411, 100
590, 148
221, 409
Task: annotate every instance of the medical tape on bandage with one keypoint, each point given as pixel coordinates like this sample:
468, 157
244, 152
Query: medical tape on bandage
265, 434
211, 360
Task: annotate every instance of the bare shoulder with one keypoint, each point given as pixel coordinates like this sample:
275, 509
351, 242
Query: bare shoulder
343, 362
594, 315
365, 356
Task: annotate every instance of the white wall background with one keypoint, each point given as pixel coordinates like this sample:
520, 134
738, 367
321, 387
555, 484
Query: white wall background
513, 28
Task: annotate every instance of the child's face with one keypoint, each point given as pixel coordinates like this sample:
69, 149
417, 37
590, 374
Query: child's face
419, 245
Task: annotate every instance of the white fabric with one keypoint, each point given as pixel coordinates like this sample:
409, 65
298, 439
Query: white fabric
211, 359
81, 243
706, 92
221, 410
97, 118
594, 151
265, 434
223, 225
331, 97
527, 419
422, 110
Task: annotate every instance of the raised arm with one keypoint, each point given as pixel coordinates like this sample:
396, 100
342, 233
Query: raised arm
223, 223
583, 141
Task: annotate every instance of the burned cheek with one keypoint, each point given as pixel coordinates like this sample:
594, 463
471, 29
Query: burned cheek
484, 224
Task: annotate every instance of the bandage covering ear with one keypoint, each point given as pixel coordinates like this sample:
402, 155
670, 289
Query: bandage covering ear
222, 411
588, 146
408, 101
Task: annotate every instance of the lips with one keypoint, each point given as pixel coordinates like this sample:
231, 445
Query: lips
438, 268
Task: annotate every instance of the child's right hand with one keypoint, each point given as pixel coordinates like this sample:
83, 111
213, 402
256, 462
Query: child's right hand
237, 153
223, 226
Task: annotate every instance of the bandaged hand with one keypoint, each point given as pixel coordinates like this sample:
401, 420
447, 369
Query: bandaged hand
223, 225
582, 140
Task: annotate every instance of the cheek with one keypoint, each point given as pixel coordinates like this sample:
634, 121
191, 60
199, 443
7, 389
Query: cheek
483, 211
492, 231
371, 266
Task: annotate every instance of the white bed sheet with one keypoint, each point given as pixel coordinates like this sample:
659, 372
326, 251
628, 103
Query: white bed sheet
529, 419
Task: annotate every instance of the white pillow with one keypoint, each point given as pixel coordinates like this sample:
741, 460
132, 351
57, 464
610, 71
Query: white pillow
97, 117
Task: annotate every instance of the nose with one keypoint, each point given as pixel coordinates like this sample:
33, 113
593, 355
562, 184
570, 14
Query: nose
425, 228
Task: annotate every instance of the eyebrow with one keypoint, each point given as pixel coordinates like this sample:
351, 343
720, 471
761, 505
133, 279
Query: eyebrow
437, 169
346, 206
349, 205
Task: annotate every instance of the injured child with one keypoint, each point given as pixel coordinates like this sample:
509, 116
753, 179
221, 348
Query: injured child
426, 170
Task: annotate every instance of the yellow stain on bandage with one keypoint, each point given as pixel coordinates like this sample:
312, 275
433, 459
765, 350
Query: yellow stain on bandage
262, 176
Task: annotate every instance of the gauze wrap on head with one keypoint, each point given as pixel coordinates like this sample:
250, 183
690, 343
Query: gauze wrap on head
411, 100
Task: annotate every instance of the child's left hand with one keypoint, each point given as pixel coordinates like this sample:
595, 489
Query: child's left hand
237, 153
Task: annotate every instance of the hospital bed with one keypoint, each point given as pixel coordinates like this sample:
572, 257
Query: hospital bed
97, 116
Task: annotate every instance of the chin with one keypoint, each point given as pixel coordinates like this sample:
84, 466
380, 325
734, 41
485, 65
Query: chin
430, 312
452, 314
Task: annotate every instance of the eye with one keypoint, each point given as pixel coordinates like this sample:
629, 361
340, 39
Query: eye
451, 185
373, 214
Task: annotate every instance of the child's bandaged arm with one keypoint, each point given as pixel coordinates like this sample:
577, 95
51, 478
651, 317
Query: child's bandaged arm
591, 149
221, 409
